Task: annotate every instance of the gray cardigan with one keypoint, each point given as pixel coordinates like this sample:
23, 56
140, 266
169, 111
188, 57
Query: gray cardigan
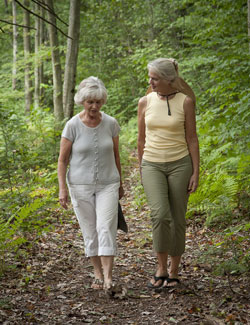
92, 159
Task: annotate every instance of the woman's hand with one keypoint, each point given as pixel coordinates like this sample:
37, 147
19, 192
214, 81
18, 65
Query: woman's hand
192, 142
121, 192
63, 198
193, 183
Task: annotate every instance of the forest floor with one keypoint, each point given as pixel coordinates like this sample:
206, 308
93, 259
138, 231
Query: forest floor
52, 284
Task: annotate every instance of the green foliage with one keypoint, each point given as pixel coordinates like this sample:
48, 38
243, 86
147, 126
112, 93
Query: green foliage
29, 145
12, 231
28, 151
139, 196
128, 140
229, 254
208, 38
217, 194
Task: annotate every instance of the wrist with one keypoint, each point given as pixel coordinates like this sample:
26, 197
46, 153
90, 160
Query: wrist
62, 188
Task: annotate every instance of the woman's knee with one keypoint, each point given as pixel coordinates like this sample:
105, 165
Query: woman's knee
160, 216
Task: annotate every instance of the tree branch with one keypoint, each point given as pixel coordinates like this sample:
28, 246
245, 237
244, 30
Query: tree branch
47, 8
34, 14
8, 22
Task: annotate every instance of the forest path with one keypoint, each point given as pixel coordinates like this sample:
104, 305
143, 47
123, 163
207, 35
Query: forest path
52, 285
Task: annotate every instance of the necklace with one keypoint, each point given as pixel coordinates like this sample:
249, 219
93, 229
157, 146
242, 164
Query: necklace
169, 112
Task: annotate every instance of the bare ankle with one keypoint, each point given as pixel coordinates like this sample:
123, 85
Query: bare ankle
161, 271
107, 284
173, 275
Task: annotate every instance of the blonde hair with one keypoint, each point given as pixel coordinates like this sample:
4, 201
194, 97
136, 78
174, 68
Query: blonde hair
165, 68
168, 69
90, 88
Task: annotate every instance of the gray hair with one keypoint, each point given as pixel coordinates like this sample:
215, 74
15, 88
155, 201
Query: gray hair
168, 69
90, 88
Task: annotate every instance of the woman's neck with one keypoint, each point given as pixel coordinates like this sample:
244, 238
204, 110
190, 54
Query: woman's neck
89, 119
168, 94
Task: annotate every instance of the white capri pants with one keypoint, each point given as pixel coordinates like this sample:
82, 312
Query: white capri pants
96, 208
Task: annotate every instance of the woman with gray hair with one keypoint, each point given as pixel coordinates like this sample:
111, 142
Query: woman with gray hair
168, 153
90, 146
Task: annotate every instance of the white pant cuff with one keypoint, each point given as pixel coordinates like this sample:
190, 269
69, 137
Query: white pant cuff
102, 252
107, 251
91, 252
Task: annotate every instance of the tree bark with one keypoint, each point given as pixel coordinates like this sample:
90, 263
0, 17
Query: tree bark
71, 58
56, 65
15, 34
37, 61
7, 9
42, 43
27, 51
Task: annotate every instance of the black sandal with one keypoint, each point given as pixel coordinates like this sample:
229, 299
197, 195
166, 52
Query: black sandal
156, 279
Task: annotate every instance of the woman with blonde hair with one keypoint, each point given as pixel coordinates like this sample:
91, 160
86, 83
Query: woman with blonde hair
168, 153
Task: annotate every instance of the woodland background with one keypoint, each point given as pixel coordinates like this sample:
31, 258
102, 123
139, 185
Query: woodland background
67, 41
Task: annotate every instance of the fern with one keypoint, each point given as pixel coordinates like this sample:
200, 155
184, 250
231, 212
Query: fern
11, 235
216, 196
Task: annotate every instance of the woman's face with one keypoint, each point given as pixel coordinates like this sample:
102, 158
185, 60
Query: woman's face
157, 83
93, 106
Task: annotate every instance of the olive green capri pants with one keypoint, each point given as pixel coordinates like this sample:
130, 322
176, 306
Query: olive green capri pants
166, 188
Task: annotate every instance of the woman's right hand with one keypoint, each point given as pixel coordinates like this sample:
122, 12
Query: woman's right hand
63, 198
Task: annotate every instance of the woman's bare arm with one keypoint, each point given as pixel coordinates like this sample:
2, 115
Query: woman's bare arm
192, 142
141, 128
118, 164
63, 161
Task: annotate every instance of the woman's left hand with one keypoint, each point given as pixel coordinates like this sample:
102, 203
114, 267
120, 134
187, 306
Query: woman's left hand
193, 183
121, 192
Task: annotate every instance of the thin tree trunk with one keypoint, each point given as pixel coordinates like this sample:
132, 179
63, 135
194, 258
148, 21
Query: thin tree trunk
71, 58
7, 11
27, 51
14, 68
56, 66
152, 23
42, 42
37, 63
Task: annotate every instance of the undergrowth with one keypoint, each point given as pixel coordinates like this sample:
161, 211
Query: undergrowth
28, 178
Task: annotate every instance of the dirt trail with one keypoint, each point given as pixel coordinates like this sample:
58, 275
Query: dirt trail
52, 285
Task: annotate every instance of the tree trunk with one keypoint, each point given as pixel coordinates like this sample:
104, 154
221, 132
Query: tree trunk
27, 51
151, 22
42, 43
56, 65
6, 5
71, 58
14, 68
37, 61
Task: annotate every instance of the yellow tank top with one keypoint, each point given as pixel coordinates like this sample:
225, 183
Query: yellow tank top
165, 134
